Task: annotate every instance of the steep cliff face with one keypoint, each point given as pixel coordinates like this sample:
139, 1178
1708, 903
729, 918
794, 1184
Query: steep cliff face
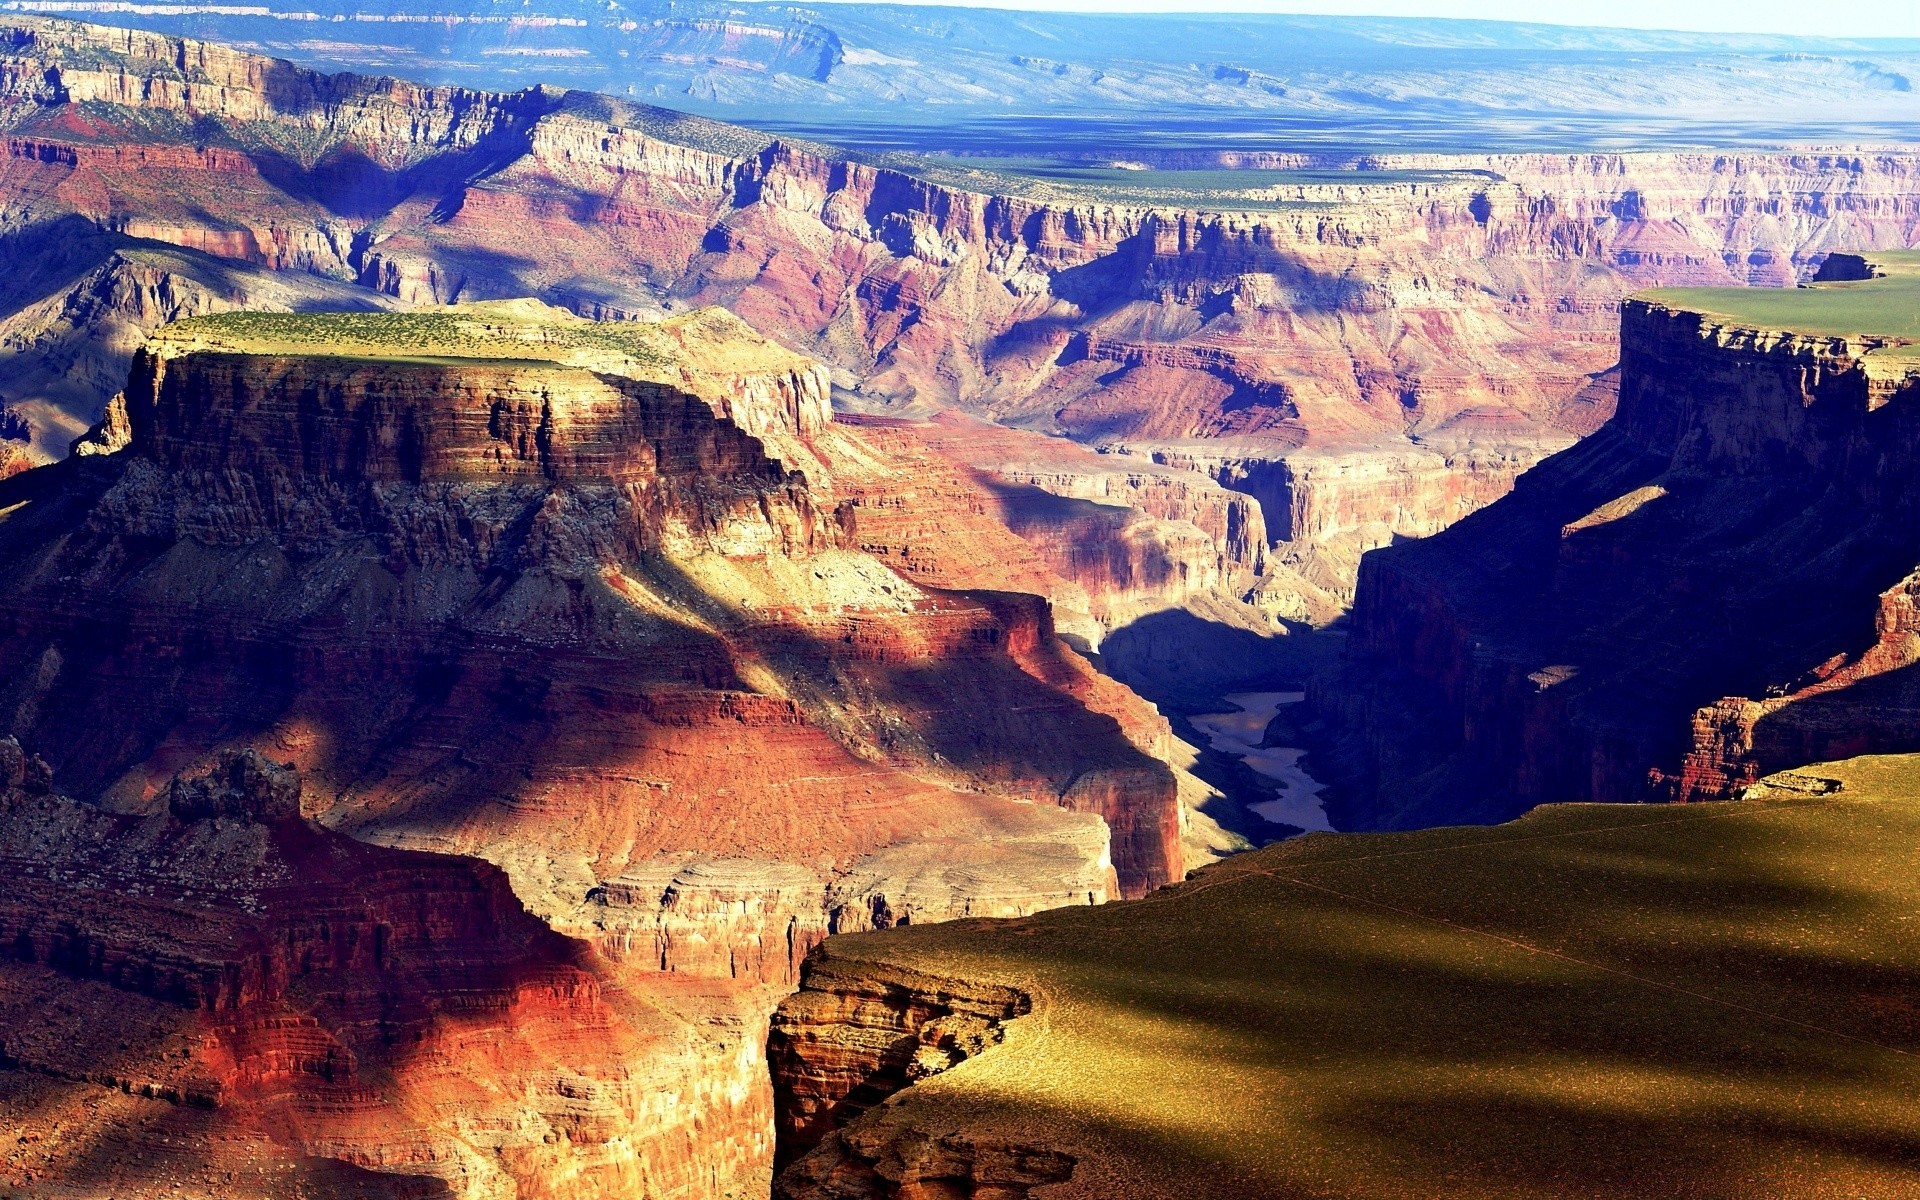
511, 585
219, 995
847, 1040
1379, 356
1714, 586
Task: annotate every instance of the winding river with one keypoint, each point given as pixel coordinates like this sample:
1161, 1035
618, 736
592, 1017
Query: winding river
1238, 733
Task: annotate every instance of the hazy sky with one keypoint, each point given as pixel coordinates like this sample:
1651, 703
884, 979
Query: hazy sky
1837, 18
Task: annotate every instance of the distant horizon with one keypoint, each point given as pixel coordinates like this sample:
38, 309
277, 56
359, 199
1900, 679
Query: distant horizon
1837, 19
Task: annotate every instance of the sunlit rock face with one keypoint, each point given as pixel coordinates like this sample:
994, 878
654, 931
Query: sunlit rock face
578, 610
1367, 359
1715, 586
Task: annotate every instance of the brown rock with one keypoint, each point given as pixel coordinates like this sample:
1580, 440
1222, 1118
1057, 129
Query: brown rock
1715, 586
241, 784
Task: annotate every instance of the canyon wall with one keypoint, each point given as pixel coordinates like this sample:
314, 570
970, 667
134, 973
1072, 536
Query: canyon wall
521, 594
220, 996
1367, 357
1714, 586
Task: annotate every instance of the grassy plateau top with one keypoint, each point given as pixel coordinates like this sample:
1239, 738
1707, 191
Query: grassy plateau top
500, 331
1887, 305
1712, 1001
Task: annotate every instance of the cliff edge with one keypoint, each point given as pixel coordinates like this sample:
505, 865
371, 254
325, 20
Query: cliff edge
1581, 1003
1716, 585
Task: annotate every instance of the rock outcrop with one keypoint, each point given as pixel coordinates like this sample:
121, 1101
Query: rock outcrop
584, 602
1714, 586
847, 1040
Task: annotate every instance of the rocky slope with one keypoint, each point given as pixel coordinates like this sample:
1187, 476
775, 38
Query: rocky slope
1369, 348
511, 585
1714, 586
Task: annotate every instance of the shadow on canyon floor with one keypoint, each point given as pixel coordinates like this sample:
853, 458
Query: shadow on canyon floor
1185, 662
1186, 665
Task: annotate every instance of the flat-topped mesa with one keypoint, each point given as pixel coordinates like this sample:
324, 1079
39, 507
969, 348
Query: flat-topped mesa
1717, 585
1787, 369
711, 355
695, 420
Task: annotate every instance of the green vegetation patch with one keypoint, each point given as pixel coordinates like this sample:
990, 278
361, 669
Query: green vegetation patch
1886, 306
1229, 189
1710, 1001
518, 332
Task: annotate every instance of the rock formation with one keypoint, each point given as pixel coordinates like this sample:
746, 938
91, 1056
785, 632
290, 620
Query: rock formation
221, 997
584, 602
1714, 586
1368, 358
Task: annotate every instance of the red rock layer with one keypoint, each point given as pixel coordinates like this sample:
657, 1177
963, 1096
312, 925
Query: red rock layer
1382, 356
288, 1010
1713, 587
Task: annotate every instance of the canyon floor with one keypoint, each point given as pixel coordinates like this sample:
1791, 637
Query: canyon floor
1707, 1001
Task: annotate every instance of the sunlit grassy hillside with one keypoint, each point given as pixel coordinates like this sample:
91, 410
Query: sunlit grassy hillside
1707, 1001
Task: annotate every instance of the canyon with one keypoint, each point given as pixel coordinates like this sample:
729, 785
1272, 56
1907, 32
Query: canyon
531, 625
1359, 348
1709, 598
568, 618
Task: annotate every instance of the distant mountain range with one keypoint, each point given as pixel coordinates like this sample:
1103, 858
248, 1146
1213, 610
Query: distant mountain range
995, 80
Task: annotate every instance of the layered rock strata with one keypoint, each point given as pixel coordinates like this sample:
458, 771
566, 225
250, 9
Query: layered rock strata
1714, 586
848, 1040
583, 602
1377, 356
221, 997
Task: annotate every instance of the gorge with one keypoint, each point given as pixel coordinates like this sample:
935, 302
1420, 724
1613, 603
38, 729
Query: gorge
555, 647
1361, 348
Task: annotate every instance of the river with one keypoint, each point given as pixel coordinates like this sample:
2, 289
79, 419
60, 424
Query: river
1239, 733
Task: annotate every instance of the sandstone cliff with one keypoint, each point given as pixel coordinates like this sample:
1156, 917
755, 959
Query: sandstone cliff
554, 595
1714, 586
